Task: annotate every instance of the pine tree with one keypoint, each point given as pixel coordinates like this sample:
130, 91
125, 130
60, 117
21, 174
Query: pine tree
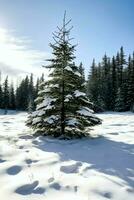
81, 71
130, 81
119, 102
1, 93
106, 82
92, 84
12, 97
118, 69
6, 95
121, 63
31, 95
37, 87
113, 83
62, 108
100, 100
22, 95
1, 97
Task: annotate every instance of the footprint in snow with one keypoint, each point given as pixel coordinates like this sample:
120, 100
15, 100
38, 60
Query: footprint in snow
30, 188
74, 168
76, 188
21, 147
29, 161
55, 186
107, 195
118, 124
39, 190
35, 142
26, 137
50, 180
1, 160
67, 187
7, 122
114, 133
131, 190
14, 170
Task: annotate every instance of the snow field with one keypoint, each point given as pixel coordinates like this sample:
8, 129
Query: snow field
40, 168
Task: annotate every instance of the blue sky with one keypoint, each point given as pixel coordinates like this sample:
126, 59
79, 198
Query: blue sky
99, 26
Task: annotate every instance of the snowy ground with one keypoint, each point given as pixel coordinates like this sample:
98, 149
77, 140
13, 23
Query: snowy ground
89, 169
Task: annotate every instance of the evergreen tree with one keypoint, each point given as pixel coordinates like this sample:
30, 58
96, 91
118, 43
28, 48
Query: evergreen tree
1, 93
122, 64
6, 95
1, 97
31, 94
12, 97
130, 92
42, 78
100, 99
37, 87
106, 82
92, 84
22, 95
118, 69
119, 102
81, 71
113, 83
62, 106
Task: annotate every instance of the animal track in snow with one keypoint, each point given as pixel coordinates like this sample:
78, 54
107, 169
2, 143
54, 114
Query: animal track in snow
114, 133
14, 170
30, 188
1, 160
76, 188
107, 195
74, 168
50, 180
21, 147
30, 161
55, 186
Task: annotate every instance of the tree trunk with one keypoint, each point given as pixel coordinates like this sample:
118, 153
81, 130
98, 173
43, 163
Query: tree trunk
62, 111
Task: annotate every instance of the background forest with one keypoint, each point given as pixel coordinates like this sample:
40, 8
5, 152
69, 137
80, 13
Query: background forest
110, 86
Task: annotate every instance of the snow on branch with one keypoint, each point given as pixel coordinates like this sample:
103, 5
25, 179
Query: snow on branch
46, 103
77, 93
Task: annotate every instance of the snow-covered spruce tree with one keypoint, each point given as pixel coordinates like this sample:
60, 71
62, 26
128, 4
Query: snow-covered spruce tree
1, 97
6, 95
119, 102
63, 110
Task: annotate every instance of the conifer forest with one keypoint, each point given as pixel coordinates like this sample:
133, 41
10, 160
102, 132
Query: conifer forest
109, 85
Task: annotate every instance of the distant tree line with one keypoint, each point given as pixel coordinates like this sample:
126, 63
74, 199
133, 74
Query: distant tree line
110, 83
110, 86
20, 97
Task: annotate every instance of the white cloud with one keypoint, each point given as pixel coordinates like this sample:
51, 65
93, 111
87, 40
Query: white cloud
18, 58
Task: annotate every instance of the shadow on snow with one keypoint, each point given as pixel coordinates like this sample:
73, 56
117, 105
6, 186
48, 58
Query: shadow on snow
104, 155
